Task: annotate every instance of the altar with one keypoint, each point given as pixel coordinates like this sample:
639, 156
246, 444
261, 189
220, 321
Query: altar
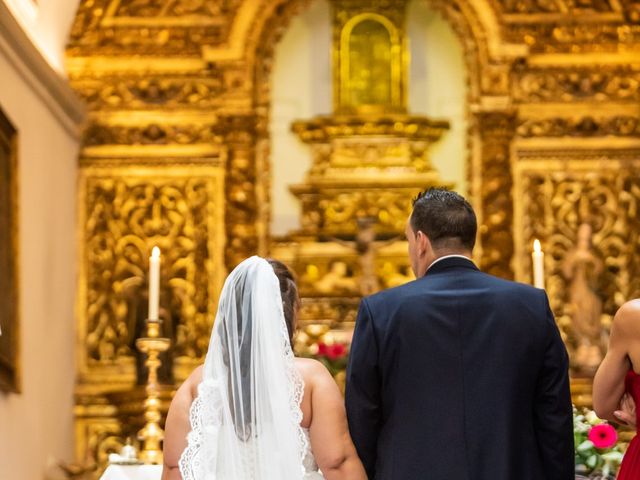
132, 472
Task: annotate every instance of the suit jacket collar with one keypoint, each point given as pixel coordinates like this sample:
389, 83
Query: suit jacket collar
449, 263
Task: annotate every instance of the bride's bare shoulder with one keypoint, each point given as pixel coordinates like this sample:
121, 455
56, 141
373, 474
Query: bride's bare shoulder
312, 370
193, 380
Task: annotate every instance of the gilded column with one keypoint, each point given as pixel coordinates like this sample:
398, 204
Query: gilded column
496, 130
242, 212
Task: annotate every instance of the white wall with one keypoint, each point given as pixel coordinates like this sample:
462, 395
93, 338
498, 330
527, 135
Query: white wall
48, 23
37, 424
437, 87
302, 87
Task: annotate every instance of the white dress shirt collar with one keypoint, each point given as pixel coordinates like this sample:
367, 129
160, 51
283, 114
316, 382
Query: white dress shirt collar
447, 256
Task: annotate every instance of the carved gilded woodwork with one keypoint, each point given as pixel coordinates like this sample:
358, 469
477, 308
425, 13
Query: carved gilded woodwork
334, 211
561, 193
152, 134
556, 84
328, 276
577, 38
125, 210
170, 91
175, 83
495, 228
242, 216
102, 428
124, 213
171, 13
554, 26
364, 166
587, 126
571, 7
327, 128
117, 27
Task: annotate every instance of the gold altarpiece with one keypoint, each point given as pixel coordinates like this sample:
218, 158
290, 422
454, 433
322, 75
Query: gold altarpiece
370, 157
176, 153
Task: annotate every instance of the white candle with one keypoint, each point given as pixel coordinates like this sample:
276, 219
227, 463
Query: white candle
154, 283
538, 265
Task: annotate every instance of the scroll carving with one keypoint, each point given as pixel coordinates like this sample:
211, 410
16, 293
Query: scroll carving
558, 201
619, 125
125, 217
113, 93
154, 134
578, 85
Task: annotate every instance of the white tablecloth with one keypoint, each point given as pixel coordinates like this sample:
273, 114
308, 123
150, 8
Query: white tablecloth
132, 472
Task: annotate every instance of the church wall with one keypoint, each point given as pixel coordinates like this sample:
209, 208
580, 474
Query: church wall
304, 53
36, 425
437, 87
47, 23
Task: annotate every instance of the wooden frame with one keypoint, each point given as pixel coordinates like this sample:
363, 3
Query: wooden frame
9, 340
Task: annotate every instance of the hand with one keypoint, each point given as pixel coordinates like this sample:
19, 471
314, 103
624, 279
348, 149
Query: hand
627, 413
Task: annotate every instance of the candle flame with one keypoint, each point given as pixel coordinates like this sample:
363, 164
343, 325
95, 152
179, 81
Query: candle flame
536, 246
155, 253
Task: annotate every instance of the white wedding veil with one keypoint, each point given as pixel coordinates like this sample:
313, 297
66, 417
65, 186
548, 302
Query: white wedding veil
245, 420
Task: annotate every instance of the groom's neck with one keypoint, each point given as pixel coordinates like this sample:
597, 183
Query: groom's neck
445, 252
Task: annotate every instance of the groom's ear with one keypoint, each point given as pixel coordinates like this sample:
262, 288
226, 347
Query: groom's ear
423, 243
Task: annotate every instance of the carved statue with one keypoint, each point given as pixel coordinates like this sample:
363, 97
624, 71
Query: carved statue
367, 247
582, 268
336, 280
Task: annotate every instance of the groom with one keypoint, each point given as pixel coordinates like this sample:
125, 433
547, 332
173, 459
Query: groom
458, 375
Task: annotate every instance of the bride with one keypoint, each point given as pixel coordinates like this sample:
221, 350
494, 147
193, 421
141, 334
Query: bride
253, 411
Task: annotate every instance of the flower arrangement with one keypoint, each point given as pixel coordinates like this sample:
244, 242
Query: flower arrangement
596, 444
334, 356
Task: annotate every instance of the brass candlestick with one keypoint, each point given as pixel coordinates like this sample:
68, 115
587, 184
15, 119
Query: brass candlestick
151, 435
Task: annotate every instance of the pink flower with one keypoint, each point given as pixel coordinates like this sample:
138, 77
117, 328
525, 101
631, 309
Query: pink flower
603, 435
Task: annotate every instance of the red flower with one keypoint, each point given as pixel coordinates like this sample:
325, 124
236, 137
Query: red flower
323, 349
336, 351
603, 435
332, 352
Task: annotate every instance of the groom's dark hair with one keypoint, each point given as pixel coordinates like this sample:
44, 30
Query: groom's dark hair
446, 218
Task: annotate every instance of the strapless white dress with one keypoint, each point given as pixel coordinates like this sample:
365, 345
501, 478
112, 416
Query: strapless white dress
310, 465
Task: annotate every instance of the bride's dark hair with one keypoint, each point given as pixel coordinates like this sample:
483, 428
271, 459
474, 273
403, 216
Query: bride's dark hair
289, 293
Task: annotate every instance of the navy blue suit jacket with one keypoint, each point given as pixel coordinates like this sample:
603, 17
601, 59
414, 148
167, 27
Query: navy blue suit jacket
460, 375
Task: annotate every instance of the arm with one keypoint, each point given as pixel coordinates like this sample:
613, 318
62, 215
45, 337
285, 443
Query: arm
364, 406
608, 384
330, 440
178, 426
553, 413
384, 243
